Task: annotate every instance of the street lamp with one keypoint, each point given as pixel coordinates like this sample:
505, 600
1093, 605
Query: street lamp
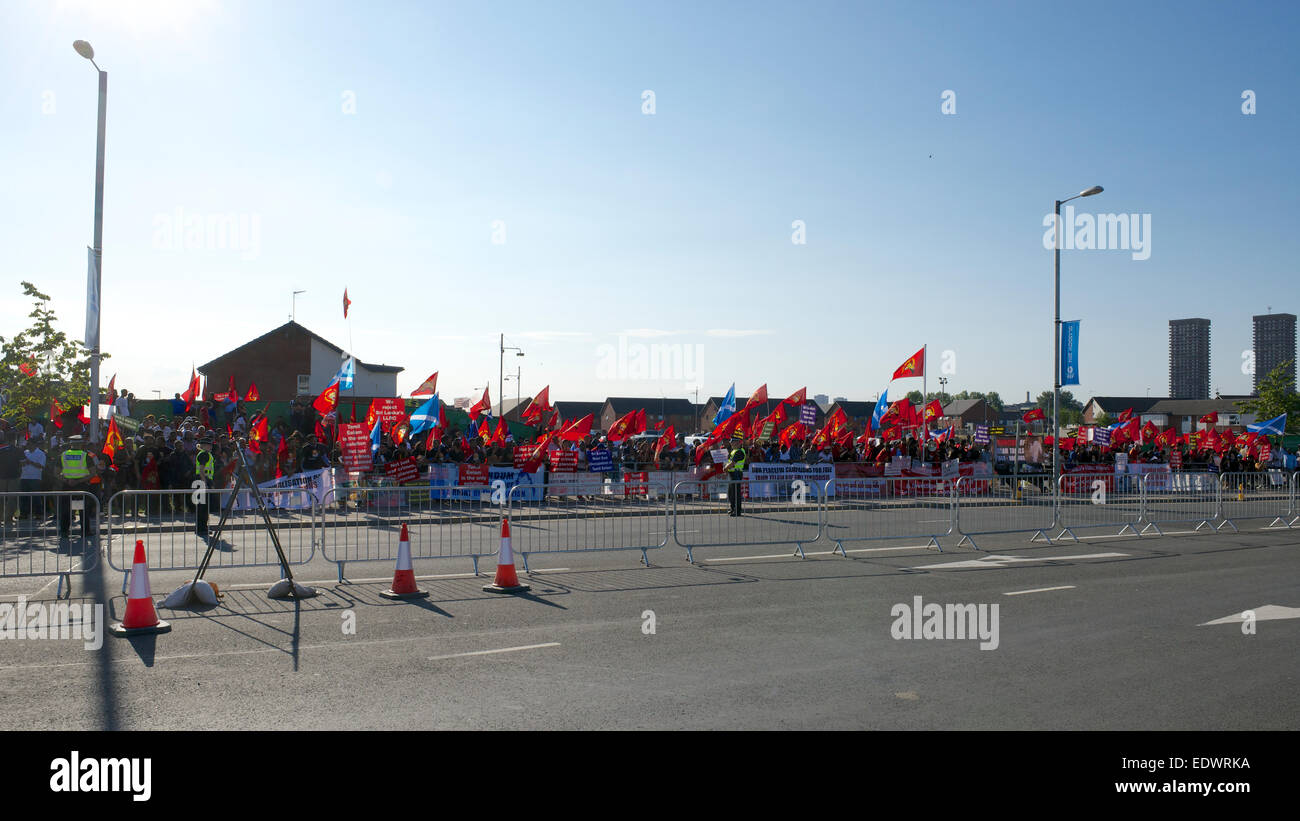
501, 375
1056, 362
97, 251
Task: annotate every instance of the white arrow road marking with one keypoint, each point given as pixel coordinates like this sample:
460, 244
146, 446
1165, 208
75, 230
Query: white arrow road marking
1268, 612
993, 561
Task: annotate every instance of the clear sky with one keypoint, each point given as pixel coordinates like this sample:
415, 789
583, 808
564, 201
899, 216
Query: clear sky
470, 169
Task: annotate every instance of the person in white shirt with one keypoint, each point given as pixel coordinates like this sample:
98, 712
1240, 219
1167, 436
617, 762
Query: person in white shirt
29, 478
122, 406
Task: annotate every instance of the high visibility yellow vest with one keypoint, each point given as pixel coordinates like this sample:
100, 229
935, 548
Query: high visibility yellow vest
737, 460
209, 471
74, 464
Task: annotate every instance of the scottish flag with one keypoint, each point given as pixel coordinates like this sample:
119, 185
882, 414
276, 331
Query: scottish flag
376, 437
728, 406
347, 373
425, 416
882, 405
1273, 427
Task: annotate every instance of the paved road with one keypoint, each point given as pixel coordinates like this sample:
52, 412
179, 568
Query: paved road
1107, 634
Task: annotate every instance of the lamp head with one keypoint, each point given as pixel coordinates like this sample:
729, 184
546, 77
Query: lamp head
83, 48
1096, 189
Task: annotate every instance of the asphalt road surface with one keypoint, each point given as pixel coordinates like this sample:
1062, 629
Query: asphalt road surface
1112, 632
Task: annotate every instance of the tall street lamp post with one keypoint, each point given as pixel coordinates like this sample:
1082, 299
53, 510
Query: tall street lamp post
96, 253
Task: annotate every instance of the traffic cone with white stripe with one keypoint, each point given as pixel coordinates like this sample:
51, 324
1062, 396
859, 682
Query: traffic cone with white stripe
141, 619
404, 577
507, 581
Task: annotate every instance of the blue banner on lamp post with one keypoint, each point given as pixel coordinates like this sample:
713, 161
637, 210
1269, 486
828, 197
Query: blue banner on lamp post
1070, 353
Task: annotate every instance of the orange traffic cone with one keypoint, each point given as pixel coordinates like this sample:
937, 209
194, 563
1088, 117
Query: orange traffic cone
141, 619
506, 581
404, 577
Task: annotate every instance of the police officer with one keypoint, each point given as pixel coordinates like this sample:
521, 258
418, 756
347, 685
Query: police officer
205, 473
735, 469
75, 471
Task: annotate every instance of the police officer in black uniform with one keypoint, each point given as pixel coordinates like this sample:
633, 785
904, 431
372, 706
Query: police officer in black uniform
75, 468
735, 469
205, 473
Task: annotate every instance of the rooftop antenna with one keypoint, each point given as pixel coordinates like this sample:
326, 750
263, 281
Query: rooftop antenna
293, 311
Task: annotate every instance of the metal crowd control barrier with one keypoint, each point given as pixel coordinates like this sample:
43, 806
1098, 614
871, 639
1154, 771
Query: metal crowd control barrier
31, 540
167, 522
1166, 501
364, 524
1262, 495
1088, 500
989, 505
772, 512
869, 509
624, 516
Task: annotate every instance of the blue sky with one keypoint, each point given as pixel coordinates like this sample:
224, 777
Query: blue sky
921, 227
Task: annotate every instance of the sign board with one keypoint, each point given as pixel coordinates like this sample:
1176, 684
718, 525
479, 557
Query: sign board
402, 471
600, 461
354, 440
981, 434
719, 455
808, 413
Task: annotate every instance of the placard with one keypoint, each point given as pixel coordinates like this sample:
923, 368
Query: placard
600, 461
354, 440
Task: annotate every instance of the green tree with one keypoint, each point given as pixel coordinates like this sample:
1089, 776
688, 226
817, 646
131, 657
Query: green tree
1276, 397
916, 397
991, 398
1102, 419
943, 398
40, 365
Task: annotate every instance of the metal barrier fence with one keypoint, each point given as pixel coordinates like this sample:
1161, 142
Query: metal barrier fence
31, 535
861, 509
364, 524
772, 512
985, 506
1265, 495
623, 516
167, 522
1090, 500
1187, 500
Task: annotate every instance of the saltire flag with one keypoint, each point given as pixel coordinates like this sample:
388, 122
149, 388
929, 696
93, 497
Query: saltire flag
540, 404
192, 392
882, 404
758, 397
1126, 415
482, 405
914, 365
934, 410
728, 406
577, 430
1211, 418
252, 395
112, 439
428, 387
797, 398
1034, 415
347, 373
376, 437
426, 416
346, 303
1272, 427
328, 399
56, 413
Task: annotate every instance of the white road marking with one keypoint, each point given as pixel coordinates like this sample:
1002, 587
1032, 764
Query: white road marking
1039, 590
493, 652
323, 582
1268, 612
1004, 561
814, 553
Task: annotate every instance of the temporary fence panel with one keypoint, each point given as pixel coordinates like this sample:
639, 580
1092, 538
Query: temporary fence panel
999, 504
1099, 499
32, 540
1256, 495
1166, 500
364, 524
867, 509
779, 513
629, 515
167, 521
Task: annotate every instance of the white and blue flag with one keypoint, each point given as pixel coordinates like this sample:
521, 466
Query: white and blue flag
347, 373
882, 405
425, 416
1273, 427
376, 437
728, 406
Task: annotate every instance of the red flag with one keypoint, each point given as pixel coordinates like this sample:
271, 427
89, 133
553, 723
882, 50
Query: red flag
667, 439
192, 392
797, 398
623, 427
56, 413
659, 426
1033, 415
112, 393
1131, 430
913, 366
260, 431
640, 421
480, 406
795, 432
29, 367
83, 414
484, 431
934, 410
428, 387
328, 399
346, 303
576, 431
233, 393
1149, 431
836, 422
540, 404
1125, 415
758, 397
280, 453
499, 435
371, 415
112, 439
252, 395
1211, 418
